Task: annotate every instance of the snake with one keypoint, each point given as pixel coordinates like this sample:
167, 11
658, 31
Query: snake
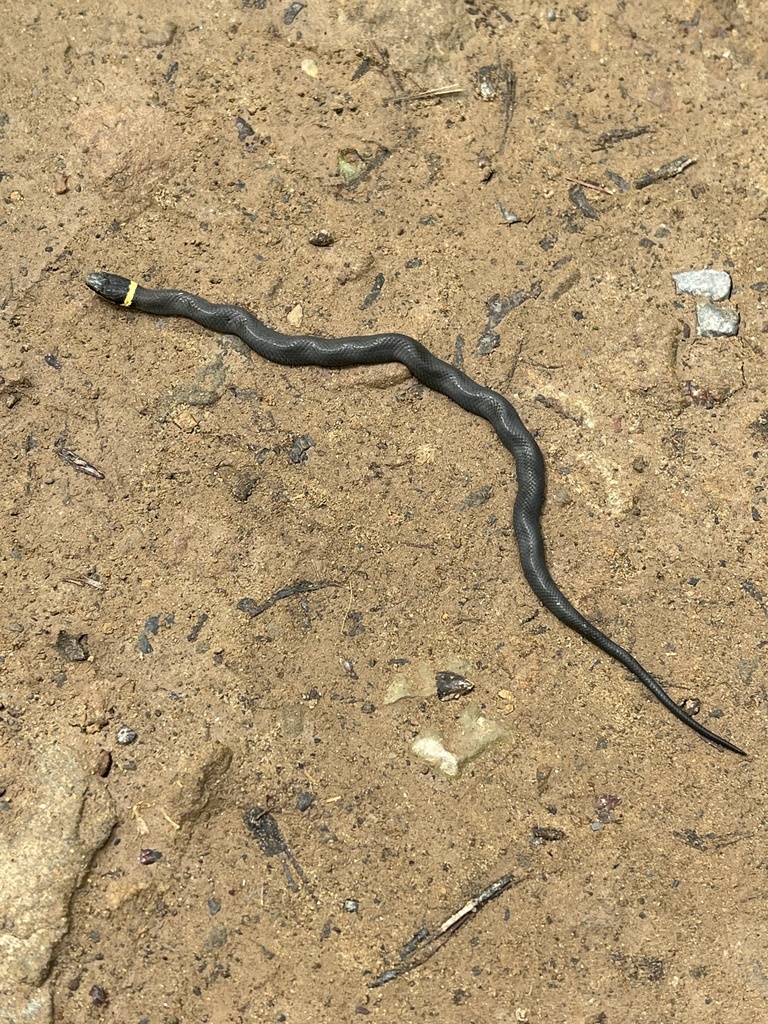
441, 377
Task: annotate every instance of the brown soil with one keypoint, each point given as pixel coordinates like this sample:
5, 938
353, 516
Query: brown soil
122, 151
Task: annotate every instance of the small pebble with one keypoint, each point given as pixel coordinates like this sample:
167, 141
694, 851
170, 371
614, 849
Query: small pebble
145, 647
507, 215
103, 763
244, 130
691, 705
304, 801
713, 322
487, 83
150, 856
99, 996
711, 284
451, 685
596, 826
548, 835
244, 486
606, 802
72, 648
295, 317
152, 625
126, 736
349, 668
213, 906
351, 906
299, 449
485, 166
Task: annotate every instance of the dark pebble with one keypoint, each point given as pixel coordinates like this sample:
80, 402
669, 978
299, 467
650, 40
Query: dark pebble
99, 996
72, 648
548, 835
299, 449
244, 486
304, 801
292, 13
451, 685
149, 856
244, 130
144, 645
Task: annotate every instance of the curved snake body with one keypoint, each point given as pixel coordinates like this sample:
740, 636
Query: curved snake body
439, 376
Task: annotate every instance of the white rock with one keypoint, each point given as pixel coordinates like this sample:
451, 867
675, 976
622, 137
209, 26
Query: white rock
714, 322
430, 749
295, 317
711, 284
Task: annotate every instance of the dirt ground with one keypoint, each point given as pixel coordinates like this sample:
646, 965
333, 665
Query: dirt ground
207, 146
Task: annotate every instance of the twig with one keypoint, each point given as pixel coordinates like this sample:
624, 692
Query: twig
427, 94
591, 184
78, 462
83, 581
247, 604
423, 945
510, 97
619, 135
665, 172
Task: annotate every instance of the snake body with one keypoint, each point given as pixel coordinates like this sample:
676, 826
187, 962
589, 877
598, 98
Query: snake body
439, 376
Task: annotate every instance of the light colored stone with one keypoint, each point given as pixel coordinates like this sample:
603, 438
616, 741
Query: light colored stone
65, 820
295, 317
714, 322
710, 284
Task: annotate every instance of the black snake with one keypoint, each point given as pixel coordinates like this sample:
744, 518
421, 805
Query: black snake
439, 376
